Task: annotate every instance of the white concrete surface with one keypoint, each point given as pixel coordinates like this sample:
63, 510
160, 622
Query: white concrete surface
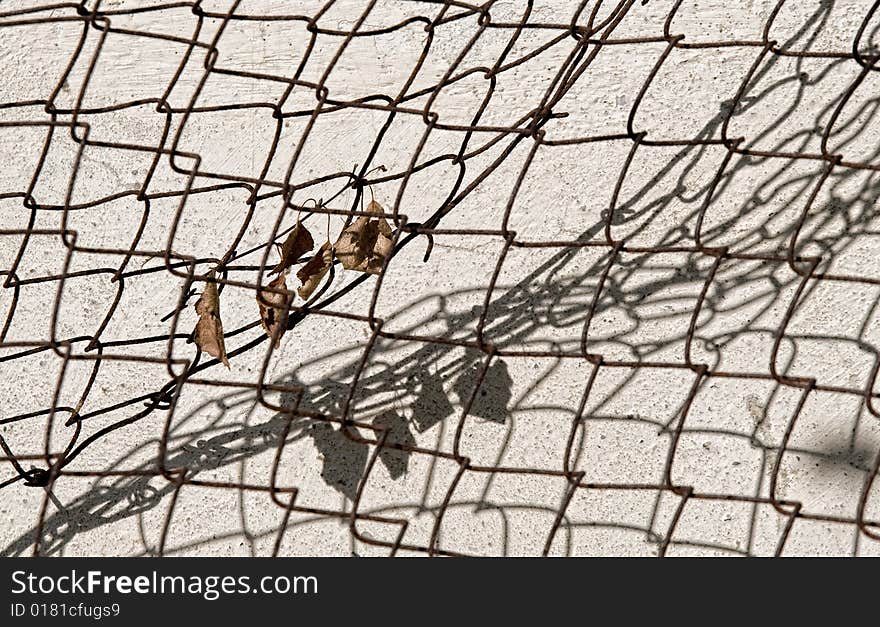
734, 428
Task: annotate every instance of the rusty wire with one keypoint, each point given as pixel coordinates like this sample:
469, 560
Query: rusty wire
588, 35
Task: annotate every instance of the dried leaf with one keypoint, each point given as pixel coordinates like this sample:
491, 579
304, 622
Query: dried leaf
299, 241
311, 274
366, 243
273, 308
209, 328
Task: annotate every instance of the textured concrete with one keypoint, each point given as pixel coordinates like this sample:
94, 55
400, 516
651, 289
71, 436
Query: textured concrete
729, 444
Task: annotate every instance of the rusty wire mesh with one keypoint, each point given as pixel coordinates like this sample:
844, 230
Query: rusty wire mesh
787, 255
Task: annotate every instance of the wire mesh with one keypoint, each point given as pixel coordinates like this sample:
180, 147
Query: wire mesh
667, 301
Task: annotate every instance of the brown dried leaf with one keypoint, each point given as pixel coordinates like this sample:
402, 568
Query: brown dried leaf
299, 241
311, 274
273, 308
366, 243
209, 328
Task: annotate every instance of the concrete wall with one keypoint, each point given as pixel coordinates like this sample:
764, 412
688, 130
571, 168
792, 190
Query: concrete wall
729, 300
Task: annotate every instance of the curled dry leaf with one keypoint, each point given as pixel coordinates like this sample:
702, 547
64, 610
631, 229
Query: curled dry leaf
273, 308
209, 328
366, 243
311, 274
299, 241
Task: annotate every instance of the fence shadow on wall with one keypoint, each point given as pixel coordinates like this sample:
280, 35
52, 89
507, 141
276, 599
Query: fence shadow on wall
420, 392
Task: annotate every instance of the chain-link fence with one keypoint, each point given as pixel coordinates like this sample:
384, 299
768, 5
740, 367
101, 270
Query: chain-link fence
599, 277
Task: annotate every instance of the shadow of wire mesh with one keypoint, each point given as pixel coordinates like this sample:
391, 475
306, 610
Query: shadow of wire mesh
631, 310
